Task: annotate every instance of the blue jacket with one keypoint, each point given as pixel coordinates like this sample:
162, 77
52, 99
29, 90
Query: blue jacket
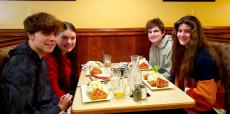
24, 86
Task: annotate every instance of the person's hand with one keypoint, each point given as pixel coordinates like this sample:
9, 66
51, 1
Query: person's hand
186, 89
62, 112
65, 101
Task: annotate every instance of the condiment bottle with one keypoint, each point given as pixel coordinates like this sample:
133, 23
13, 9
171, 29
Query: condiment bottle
137, 93
143, 92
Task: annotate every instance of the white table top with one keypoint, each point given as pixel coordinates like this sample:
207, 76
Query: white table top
158, 100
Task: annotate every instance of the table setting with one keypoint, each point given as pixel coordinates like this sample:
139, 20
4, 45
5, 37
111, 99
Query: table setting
118, 86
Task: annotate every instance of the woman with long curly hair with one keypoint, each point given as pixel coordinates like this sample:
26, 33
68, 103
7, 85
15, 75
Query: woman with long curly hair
196, 67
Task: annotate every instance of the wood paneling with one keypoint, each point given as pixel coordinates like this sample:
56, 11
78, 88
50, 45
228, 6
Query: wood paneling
11, 36
120, 43
218, 34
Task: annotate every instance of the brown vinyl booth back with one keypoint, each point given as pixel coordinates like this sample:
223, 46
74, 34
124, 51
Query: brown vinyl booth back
223, 49
3, 54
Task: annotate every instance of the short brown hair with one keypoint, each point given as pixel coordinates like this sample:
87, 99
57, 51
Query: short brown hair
44, 22
155, 22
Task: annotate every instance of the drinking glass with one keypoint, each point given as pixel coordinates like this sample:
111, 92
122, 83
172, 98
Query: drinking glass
117, 84
134, 59
107, 60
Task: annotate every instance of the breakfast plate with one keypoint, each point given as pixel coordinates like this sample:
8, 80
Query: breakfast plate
157, 79
87, 99
102, 77
93, 64
88, 71
149, 69
170, 86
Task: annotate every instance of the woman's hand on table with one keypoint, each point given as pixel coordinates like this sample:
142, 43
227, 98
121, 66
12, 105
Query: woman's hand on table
65, 101
62, 112
186, 89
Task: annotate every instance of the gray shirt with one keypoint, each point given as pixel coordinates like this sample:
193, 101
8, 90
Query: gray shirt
162, 56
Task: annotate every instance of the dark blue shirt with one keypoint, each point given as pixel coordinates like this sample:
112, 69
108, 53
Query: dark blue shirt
204, 66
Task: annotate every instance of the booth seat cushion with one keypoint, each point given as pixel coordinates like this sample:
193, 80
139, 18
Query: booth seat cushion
4, 52
223, 49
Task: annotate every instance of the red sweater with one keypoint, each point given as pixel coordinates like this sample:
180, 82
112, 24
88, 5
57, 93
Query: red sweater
53, 74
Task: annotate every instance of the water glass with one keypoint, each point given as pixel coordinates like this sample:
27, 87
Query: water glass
107, 60
134, 59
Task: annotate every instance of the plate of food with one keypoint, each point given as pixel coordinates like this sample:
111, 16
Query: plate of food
103, 77
144, 64
94, 67
94, 92
156, 81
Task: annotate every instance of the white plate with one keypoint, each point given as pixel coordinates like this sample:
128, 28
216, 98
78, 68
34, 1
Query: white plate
149, 69
90, 63
101, 77
88, 72
156, 88
86, 98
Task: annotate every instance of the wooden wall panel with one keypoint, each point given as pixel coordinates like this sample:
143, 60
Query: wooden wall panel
218, 34
11, 37
120, 43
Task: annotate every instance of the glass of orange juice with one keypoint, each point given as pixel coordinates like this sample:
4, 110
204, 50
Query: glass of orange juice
117, 84
119, 91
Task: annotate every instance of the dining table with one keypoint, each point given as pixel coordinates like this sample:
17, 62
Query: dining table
159, 99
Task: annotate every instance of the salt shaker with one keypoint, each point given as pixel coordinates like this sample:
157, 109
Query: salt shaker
137, 93
143, 92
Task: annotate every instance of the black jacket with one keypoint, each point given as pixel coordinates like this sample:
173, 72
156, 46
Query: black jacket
24, 85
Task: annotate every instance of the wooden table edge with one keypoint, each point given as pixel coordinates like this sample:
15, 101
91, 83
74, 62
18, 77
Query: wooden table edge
134, 109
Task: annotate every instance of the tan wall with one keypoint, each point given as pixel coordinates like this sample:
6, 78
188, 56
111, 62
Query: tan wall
115, 13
